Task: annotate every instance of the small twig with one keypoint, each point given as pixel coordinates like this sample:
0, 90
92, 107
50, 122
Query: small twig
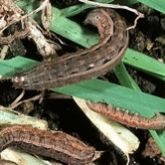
44, 47
139, 15
3, 52
128, 159
17, 101
46, 16
37, 97
110, 6
18, 98
41, 7
135, 22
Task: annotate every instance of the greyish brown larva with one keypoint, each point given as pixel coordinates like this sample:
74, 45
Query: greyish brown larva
57, 145
133, 120
83, 64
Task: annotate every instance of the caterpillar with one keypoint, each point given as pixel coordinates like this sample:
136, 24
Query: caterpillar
157, 122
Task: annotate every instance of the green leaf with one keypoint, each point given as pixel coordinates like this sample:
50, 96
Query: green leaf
123, 76
145, 63
155, 4
14, 65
